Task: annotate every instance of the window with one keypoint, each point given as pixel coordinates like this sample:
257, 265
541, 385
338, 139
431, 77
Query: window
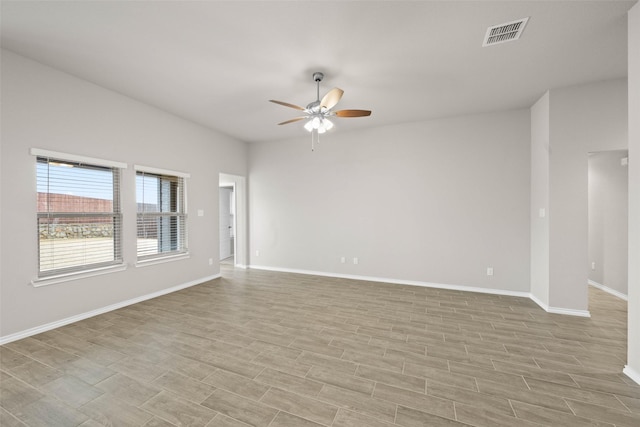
78, 213
162, 218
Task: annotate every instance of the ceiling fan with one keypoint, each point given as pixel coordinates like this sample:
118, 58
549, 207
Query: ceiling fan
317, 112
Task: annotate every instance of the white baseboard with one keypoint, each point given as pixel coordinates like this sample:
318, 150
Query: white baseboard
609, 290
545, 307
631, 373
559, 310
49, 326
396, 281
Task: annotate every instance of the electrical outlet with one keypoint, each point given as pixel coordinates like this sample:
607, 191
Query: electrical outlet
355, 260
257, 253
210, 261
489, 271
343, 260
593, 265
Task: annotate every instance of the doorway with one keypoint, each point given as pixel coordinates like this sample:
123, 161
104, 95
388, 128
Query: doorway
232, 234
608, 221
226, 217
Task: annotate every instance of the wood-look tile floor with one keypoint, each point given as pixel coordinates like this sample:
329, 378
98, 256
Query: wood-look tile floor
259, 348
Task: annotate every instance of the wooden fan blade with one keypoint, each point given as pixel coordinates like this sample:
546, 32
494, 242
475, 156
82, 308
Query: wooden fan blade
331, 98
352, 113
286, 104
297, 119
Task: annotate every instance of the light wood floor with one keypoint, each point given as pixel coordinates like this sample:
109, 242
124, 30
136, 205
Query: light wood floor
260, 348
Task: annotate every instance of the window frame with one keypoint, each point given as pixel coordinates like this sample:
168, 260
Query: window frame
180, 215
56, 275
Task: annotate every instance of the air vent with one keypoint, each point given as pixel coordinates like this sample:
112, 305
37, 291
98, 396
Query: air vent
504, 32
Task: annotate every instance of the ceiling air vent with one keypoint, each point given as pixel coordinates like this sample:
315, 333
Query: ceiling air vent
504, 32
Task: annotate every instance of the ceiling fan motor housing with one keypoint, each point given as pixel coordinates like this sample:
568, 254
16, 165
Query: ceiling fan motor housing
313, 107
318, 76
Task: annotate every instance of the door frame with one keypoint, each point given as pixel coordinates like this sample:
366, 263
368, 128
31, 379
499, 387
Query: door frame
239, 184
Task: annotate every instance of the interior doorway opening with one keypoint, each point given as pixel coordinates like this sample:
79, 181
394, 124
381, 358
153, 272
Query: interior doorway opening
226, 204
608, 195
232, 235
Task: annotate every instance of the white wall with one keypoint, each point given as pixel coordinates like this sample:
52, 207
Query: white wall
608, 216
540, 200
633, 361
436, 201
48, 109
583, 119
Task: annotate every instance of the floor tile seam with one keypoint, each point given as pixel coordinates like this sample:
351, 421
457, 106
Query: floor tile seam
115, 396
616, 411
516, 399
296, 415
15, 417
402, 388
25, 383
80, 408
163, 419
595, 342
513, 410
615, 396
151, 383
530, 372
354, 376
29, 354
623, 404
612, 383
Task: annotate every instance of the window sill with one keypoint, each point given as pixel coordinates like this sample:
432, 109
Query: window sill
162, 260
61, 278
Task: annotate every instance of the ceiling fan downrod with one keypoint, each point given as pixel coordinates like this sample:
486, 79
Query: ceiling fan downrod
317, 77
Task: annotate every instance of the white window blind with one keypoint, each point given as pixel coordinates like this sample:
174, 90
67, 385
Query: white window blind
161, 218
78, 215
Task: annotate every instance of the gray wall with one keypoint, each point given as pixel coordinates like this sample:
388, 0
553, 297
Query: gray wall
48, 109
608, 216
436, 201
633, 362
582, 119
540, 199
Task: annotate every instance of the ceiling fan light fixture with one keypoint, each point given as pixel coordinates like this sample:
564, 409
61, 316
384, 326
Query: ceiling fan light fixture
317, 111
321, 124
328, 124
309, 125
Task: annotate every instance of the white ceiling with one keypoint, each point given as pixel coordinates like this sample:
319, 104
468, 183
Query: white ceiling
218, 62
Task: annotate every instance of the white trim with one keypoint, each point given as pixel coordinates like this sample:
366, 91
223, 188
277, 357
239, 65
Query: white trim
77, 158
58, 323
542, 305
609, 290
631, 373
61, 278
398, 281
559, 310
545, 307
162, 259
159, 171
569, 312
